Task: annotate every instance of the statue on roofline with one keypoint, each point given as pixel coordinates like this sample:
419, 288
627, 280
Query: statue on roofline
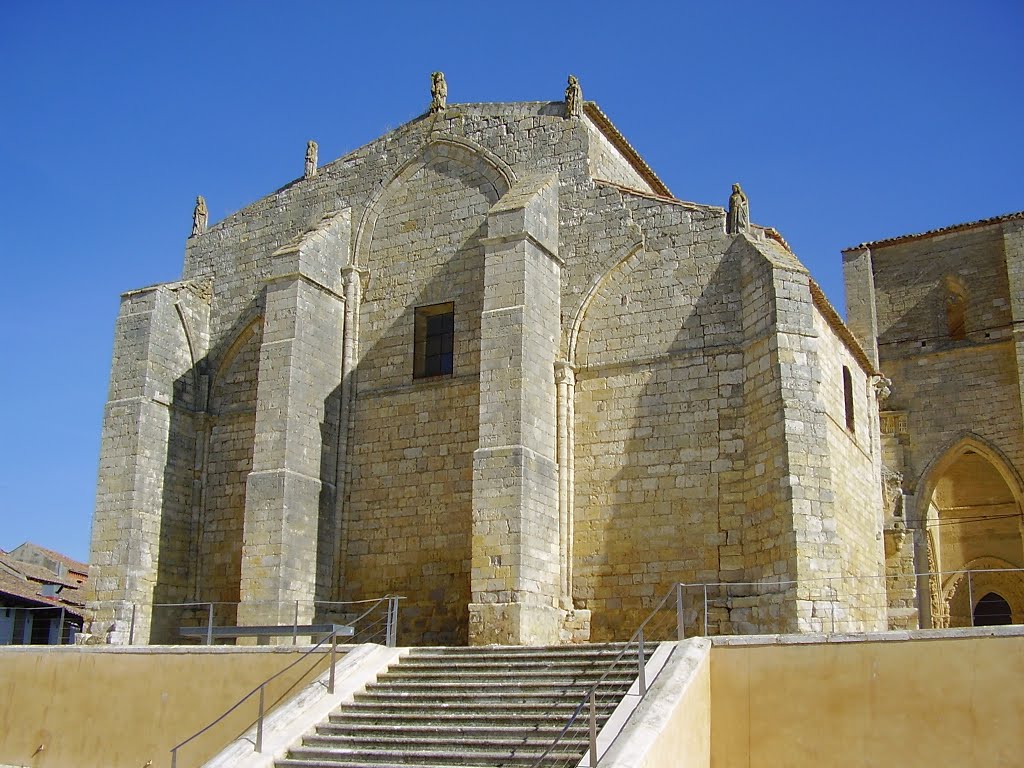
311, 150
738, 219
438, 92
573, 98
199, 216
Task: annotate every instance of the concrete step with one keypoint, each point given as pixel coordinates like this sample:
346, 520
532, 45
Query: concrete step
403, 729
458, 742
525, 756
505, 717
458, 689
553, 674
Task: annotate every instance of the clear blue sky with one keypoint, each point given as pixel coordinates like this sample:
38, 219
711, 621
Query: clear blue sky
844, 122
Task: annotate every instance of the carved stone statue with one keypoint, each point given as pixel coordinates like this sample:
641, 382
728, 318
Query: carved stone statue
311, 149
573, 98
739, 212
883, 387
438, 92
892, 492
199, 216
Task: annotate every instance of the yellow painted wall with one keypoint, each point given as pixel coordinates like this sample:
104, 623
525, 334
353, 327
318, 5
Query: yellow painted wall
119, 708
942, 702
685, 741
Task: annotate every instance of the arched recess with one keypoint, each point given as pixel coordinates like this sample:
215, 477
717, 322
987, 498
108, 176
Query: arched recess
227, 454
462, 150
969, 501
963, 590
409, 455
580, 312
645, 426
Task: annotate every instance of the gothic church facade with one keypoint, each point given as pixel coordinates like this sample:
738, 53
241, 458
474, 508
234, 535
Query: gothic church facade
490, 363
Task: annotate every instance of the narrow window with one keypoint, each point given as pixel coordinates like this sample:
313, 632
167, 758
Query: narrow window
848, 397
955, 319
434, 340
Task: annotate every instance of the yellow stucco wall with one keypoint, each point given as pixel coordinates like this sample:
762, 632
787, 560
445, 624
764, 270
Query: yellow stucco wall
117, 707
941, 702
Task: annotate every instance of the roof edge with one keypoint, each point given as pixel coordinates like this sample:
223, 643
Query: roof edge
933, 232
845, 335
605, 125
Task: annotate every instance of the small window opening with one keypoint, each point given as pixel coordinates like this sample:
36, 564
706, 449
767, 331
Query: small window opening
992, 610
433, 352
848, 397
955, 316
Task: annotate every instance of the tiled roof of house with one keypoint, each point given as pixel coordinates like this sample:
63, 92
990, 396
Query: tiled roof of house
28, 582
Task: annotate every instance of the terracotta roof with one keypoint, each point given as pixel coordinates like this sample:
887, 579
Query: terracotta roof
23, 589
600, 119
940, 231
37, 573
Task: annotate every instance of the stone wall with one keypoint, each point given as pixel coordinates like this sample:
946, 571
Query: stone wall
634, 399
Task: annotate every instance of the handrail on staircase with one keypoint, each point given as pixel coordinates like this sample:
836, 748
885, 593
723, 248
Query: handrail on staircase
391, 636
590, 697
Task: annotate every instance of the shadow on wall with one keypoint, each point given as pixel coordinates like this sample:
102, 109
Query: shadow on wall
659, 413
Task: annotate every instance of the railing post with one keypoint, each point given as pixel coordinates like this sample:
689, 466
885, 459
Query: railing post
391, 624
209, 624
131, 627
970, 598
835, 599
295, 625
641, 663
593, 728
706, 633
174, 758
334, 650
259, 723
680, 622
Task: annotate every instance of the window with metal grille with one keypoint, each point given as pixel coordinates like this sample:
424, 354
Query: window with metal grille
433, 351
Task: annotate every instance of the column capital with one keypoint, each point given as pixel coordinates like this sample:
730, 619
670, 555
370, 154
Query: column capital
565, 372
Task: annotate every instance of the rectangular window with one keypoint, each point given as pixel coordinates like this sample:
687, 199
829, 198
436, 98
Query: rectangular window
434, 340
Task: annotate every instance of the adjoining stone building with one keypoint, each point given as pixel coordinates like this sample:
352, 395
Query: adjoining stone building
942, 314
489, 362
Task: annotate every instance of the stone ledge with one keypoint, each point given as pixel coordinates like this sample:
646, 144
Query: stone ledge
1013, 630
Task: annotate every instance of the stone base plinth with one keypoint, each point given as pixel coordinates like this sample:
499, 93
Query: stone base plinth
522, 624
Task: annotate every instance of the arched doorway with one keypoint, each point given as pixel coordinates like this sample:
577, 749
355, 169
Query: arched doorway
992, 610
973, 521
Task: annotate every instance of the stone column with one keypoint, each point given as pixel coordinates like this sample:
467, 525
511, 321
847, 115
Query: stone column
565, 380
352, 277
517, 578
290, 490
140, 533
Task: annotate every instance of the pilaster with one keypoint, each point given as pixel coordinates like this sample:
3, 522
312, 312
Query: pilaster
290, 492
517, 579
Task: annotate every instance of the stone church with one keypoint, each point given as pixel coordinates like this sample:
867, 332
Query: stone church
491, 363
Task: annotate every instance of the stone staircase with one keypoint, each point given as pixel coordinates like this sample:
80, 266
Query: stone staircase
490, 706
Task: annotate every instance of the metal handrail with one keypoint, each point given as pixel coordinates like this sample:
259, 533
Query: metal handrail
590, 697
391, 637
333, 637
391, 614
